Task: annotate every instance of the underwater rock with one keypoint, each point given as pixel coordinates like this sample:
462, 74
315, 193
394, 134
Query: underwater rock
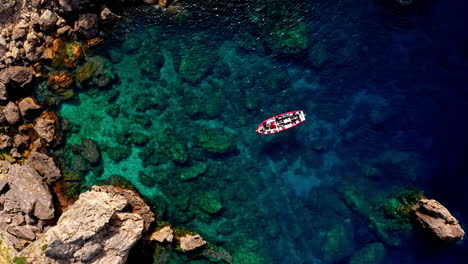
138, 138
11, 113
372, 253
210, 202
163, 234
28, 193
118, 153
436, 219
16, 75
47, 21
196, 62
89, 151
217, 255
46, 126
87, 25
97, 228
216, 140
193, 171
27, 106
191, 242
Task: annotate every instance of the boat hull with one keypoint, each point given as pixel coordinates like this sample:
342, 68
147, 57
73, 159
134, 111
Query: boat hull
281, 122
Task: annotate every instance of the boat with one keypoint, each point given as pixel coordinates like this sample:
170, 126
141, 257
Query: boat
281, 122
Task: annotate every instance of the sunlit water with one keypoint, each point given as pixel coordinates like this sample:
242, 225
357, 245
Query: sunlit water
193, 83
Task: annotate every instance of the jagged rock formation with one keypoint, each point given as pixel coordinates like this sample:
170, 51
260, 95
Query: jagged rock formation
27, 29
435, 218
100, 227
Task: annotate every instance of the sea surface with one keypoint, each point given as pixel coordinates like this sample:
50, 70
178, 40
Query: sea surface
384, 87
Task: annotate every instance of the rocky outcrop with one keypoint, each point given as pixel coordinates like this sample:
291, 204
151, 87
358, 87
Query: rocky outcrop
11, 113
46, 126
163, 234
27, 193
45, 165
27, 106
191, 242
435, 218
88, 150
87, 25
98, 228
16, 75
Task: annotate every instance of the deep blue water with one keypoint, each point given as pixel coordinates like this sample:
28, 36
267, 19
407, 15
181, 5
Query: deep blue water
384, 88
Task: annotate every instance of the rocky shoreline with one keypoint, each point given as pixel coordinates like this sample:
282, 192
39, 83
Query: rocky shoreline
103, 224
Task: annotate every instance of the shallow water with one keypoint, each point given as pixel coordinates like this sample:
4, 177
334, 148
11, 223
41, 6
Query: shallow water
384, 90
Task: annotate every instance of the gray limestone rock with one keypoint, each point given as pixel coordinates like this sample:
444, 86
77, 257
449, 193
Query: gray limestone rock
47, 21
28, 193
93, 230
46, 126
3, 92
45, 165
5, 141
87, 25
11, 113
16, 75
107, 15
435, 218
21, 232
27, 106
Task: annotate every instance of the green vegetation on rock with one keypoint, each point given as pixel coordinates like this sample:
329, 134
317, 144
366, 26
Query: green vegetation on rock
216, 140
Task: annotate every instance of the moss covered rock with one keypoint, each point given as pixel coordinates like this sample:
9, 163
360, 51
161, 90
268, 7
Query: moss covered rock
195, 62
210, 202
216, 140
193, 171
118, 153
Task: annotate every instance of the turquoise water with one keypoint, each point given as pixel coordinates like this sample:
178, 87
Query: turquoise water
188, 86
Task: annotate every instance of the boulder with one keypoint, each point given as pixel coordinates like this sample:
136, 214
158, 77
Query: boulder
16, 75
435, 218
191, 242
136, 203
87, 25
95, 229
11, 113
5, 141
163, 234
107, 15
47, 21
3, 92
28, 193
46, 126
74, 5
45, 165
27, 106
